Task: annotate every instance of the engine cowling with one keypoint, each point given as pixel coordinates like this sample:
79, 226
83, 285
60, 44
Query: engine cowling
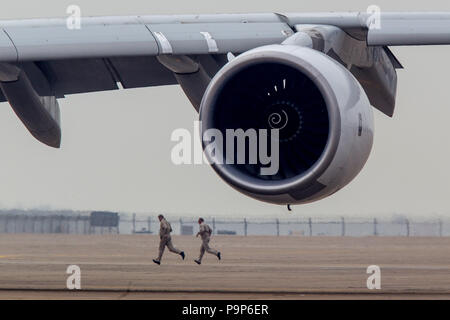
323, 116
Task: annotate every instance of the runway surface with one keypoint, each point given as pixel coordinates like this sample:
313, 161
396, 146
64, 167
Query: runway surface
254, 267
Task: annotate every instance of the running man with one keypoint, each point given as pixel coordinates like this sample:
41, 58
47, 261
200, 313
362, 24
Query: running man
166, 240
205, 232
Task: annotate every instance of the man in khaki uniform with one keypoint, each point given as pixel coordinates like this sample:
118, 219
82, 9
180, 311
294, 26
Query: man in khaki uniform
205, 232
166, 240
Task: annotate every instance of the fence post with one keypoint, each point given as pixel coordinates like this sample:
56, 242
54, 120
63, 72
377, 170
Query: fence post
61, 224
407, 227
310, 227
134, 222
375, 231
42, 219
24, 224
343, 226
77, 218
181, 225
51, 224
85, 228
245, 226
278, 227
33, 225
440, 228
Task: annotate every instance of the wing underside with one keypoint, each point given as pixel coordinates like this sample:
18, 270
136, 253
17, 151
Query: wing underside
107, 50
106, 53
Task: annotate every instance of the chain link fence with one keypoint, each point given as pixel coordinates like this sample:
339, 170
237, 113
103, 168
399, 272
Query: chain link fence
80, 223
354, 227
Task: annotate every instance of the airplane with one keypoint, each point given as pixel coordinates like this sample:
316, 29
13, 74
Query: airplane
324, 72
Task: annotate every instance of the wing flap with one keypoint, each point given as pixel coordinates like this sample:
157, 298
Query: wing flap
138, 72
91, 41
73, 76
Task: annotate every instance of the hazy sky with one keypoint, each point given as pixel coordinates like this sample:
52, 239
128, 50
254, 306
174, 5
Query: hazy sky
116, 146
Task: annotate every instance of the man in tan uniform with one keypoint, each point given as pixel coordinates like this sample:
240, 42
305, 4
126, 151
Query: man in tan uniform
205, 232
166, 240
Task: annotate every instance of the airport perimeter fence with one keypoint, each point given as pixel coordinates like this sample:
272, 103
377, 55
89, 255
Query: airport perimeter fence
352, 227
81, 223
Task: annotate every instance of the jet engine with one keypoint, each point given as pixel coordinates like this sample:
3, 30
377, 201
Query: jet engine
316, 110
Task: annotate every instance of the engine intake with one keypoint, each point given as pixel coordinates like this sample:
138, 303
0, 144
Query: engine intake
320, 110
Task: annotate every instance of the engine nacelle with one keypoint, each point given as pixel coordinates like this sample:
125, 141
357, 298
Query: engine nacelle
323, 116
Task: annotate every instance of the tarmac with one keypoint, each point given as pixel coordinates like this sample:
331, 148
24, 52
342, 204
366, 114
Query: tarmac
33, 266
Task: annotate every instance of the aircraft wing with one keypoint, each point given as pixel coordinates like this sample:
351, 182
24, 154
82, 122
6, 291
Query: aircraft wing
392, 29
107, 53
411, 29
129, 43
108, 50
